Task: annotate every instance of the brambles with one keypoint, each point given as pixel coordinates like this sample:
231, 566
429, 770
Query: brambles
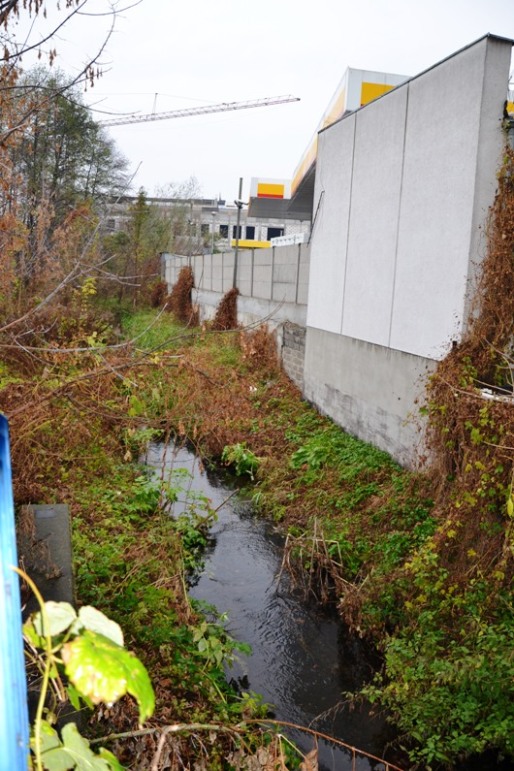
447, 676
158, 294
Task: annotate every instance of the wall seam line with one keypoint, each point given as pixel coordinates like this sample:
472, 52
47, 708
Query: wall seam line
348, 227
398, 219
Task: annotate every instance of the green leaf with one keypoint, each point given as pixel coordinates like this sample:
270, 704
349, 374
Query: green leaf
78, 700
73, 752
59, 615
79, 751
49, 737
510, 507
57, 760
104, 672
53, 754
31, 634
96, 621
111, 759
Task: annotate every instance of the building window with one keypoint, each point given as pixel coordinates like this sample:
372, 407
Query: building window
111, 224
205, 230
224, 231
234, 231
275, 233
250, 232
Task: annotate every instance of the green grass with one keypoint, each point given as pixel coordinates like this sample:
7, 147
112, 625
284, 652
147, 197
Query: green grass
152, 332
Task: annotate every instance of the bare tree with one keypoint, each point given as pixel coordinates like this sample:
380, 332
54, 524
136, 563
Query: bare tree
52, 159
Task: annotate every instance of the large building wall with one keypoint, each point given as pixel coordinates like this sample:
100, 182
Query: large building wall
403, 185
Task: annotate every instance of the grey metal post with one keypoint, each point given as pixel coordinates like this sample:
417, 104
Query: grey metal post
239, 205
298, 272
213, 215
272, 272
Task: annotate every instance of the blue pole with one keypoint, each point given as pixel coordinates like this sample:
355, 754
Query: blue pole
14, 724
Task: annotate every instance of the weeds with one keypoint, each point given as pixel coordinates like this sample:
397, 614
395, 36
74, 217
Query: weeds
421, 565
243, 460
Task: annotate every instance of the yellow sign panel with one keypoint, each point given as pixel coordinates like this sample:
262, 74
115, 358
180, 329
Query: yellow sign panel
370, 91
270, 190
245, 243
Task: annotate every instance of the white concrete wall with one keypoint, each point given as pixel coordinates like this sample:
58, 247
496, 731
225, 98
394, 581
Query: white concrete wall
406, 182
404, 186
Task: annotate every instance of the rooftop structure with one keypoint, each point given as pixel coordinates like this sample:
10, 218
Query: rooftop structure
356, 88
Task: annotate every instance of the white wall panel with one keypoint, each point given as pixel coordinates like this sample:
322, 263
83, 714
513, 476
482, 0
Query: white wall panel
407, 183
330, 229
375, 205
437, 204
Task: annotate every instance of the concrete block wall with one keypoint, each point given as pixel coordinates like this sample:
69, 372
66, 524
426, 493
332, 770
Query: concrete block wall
293, 351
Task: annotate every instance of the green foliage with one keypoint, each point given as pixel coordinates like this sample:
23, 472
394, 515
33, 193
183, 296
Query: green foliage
193, 528
454, 698
330, 445
215, 645
98, 669
65, 155
131, 557
243, 460
73, 751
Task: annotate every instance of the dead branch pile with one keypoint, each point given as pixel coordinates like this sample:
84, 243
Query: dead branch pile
180, 300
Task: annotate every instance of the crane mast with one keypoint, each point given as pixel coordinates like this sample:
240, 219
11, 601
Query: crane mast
188, 112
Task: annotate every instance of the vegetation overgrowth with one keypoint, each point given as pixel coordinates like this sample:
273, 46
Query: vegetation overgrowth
362, 532
79, 419
421, 564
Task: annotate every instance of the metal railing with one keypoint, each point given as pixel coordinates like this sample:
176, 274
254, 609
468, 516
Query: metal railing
14, 728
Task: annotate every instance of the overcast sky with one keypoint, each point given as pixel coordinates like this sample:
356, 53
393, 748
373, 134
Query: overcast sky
198, 52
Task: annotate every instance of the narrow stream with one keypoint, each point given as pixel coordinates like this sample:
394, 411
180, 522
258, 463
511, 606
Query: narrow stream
302, 659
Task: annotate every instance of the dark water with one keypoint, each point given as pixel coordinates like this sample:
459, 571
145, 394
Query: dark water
302, 660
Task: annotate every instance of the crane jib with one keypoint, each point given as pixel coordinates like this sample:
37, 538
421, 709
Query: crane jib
191, 111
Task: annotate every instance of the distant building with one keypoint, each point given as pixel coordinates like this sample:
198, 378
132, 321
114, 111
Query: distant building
277, 208
200, 223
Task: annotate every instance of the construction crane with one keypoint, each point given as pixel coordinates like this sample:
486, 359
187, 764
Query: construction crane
188, 112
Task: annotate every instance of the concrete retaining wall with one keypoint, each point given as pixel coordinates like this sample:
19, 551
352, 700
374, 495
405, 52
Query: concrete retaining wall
372, 391
279, 274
